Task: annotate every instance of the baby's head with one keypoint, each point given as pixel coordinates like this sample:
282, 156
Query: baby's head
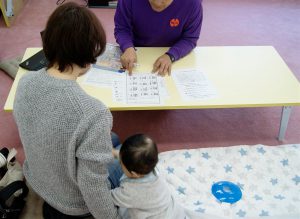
138, 156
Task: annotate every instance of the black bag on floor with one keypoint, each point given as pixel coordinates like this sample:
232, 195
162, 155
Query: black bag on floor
13, 189
11, 206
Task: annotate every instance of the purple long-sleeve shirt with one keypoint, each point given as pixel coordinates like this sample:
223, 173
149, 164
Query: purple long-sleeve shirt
178, 26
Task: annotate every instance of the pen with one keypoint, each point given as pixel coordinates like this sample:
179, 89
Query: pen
134, 65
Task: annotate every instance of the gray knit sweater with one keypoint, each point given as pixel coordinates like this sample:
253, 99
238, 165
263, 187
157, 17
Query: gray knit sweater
67, 143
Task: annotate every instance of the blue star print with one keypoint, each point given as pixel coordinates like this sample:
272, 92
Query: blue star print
201, 210
264, 213
280, 197
187, 155
243, 152
274, 181
190, 170
285, 162
261, 150
181, 190
257, 197
296, 179
170, 170
248, 167
241, 213
198, 203
205, 155
228, 168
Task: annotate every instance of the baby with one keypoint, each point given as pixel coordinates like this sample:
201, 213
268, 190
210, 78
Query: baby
142, 191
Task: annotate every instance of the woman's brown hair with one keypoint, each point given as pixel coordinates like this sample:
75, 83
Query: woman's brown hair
73, 35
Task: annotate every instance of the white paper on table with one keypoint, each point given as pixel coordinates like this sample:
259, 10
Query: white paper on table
119, 90
142, 88
193, 85
163, 91
101, 78
137, 89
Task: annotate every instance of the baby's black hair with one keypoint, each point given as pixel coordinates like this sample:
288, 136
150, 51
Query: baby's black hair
139, 154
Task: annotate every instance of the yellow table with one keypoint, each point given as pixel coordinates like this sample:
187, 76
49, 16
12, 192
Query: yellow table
245, 76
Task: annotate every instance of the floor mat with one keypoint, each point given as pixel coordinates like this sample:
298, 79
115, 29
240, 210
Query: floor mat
268, 176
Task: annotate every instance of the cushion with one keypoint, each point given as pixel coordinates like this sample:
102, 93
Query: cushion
11, 66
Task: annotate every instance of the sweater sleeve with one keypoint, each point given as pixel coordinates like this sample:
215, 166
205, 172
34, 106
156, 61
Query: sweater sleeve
93, 155
123, 24
190, 34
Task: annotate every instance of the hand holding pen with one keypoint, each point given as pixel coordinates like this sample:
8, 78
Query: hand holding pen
129, 59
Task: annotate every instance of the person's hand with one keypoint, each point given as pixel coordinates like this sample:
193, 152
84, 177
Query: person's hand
162, 65
115, 153
128, 58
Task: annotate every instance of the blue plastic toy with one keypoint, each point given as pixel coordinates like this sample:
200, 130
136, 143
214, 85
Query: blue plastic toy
226, 191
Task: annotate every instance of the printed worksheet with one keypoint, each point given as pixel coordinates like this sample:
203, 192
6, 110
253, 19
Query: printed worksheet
193, 85
138, 89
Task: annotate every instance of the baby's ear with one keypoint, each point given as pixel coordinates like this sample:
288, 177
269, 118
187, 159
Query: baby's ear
136, 175
115, 153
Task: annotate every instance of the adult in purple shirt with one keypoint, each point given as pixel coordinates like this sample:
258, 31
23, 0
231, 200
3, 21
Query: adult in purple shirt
158, 23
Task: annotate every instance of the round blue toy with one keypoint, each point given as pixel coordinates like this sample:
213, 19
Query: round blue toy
226, 191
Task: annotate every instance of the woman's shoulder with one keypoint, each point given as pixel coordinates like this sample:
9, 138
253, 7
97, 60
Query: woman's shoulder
195, 1
188, 4
92, 106
191, 7
192, 3
31, 74
91, 102
29, 79
126, 2
132, 3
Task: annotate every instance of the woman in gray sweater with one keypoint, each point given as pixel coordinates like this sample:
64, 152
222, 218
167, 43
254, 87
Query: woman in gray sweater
66, 133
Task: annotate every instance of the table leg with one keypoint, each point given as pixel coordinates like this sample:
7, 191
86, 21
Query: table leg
285, 115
